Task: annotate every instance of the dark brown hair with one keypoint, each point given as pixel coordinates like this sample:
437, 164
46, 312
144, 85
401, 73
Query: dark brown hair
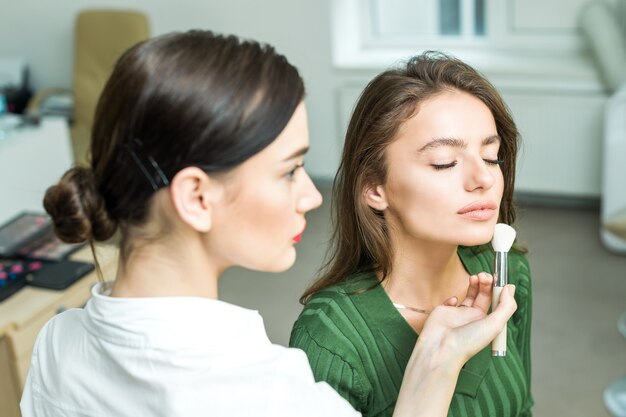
174, 101
360, 240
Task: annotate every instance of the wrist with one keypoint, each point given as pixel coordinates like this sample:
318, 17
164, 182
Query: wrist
428, 383
439, 357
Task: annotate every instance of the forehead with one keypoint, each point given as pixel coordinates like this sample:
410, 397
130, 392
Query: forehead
293, 139
449, 114
260, 170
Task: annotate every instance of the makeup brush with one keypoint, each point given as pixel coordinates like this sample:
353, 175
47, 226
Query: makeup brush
503, 238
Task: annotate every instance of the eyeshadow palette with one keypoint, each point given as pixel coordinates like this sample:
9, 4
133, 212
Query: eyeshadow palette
21, 231
31, 254
13, 273
48, 247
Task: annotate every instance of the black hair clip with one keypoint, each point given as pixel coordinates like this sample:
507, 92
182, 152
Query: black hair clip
158, 178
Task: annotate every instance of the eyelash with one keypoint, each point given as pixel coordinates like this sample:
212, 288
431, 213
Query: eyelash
440, 167
289, 175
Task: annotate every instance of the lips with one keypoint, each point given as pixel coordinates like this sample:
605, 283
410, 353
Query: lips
480, 210
298, 237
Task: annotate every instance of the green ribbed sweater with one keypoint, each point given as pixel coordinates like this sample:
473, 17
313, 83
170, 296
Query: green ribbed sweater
360, 344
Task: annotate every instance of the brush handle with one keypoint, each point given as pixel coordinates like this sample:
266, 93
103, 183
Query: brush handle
500, 279
498, 345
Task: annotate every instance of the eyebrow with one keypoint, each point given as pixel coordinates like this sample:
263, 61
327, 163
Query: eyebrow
297, 153
455, 143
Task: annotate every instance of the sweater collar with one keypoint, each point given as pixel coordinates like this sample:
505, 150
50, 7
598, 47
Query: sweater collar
377, 308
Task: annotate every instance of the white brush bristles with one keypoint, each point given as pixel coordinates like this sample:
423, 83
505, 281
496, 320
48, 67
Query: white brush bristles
503, 237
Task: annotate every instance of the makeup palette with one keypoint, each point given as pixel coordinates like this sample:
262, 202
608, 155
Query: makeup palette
49, 248
31, 254
21, 231
13, 273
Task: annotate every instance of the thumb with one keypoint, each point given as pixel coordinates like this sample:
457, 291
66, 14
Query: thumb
451, 302
479, 333
496, 321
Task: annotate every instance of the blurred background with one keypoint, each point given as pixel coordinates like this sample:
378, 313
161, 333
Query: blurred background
559, 64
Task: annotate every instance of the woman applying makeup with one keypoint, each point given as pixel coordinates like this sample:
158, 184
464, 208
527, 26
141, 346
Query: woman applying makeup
197, 160
428, 169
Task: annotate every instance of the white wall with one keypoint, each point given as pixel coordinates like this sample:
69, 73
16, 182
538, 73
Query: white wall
563, 118
41, 33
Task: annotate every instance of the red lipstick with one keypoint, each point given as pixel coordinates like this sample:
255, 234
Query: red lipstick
298, 237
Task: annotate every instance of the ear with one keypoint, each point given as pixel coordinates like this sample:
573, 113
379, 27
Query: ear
194, 195
375, 197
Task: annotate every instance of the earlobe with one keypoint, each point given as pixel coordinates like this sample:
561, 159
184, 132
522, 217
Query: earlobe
191, 192
375, 197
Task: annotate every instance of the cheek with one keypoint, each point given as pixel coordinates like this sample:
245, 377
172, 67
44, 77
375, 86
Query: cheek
421, 189
263, 211
262, 222
416, 199
499, 185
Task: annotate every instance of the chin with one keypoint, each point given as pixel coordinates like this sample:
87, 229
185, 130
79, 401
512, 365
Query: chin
478, 237
279, 263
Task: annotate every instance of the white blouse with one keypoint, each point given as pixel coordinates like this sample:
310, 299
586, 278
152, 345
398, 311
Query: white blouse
169, 356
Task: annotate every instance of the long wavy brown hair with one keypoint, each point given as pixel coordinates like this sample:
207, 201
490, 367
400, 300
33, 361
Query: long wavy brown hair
360, 240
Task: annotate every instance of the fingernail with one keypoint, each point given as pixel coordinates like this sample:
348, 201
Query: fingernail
512, 288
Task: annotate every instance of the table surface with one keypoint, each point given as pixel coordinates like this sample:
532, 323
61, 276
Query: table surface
32, 158
17, 310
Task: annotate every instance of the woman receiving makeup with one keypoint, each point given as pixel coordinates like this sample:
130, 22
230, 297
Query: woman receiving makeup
427, 170
197, 161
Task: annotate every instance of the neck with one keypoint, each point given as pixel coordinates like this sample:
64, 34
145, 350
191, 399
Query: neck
168, 267
424, 275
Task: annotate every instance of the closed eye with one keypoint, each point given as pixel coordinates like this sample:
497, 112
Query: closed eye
440, 167
494, 161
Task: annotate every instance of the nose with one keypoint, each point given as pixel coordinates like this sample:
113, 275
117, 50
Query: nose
309, 198
479, 175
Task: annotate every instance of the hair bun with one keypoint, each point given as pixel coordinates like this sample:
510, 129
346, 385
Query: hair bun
77, 209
